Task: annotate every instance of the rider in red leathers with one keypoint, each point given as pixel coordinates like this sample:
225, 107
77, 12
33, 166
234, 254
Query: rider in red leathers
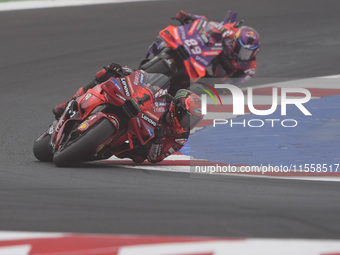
173, 128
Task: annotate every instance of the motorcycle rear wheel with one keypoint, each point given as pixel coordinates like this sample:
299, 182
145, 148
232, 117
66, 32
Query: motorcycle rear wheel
81, 150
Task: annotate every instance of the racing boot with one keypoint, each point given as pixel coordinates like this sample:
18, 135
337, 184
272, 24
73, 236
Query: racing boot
59, 109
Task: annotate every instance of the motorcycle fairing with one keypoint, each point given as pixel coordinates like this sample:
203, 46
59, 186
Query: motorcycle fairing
127, 93
197, 44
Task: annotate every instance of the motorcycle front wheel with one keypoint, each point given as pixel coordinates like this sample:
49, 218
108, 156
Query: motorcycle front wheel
85, 145
42, 149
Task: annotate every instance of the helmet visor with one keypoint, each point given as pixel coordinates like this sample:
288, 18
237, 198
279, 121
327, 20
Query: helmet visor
187, 120
244, 53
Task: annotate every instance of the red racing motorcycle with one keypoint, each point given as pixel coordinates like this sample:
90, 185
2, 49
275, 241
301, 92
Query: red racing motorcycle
113, 118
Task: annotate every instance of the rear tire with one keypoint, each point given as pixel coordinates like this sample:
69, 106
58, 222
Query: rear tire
81, 150
42, 149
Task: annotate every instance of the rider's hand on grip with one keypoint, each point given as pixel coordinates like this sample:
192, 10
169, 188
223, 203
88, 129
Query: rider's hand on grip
185, 17
116, 70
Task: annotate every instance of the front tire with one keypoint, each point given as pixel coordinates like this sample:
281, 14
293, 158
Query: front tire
42, 149
84, 147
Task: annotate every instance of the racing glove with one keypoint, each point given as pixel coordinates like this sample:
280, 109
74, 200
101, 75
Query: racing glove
155, 149
159, 133
184, 17
117, 70
112, 69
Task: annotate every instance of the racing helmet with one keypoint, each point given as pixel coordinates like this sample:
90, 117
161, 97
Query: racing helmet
185, 111
246, 43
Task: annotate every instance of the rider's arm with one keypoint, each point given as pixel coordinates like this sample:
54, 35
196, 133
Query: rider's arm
241, 76
111, 70
160, 149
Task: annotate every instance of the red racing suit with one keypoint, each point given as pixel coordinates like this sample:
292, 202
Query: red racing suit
167, 140
169, 144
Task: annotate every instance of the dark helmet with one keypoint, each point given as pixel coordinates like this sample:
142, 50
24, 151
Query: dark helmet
246, 43
185, 111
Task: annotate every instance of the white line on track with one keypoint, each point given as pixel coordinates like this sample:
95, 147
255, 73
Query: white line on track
160, 245
25, 5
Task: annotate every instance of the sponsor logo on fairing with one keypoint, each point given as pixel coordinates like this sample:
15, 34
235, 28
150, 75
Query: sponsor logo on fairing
202, 60
121, 97
125, 87
216, 48
204, 38
141, 80
149, 120
83, 126
88, 95
211, 53
149, 129
201, 24
159, 109
114, 120
116, 83
136, 79
193, 27
160, 104
182, 32
175, 30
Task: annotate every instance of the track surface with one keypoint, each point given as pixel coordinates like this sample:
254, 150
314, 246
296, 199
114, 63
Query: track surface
47, 54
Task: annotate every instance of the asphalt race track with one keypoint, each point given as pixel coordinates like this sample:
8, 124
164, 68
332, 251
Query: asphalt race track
45, 55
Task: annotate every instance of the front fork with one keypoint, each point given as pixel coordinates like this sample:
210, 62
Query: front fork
70, 114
